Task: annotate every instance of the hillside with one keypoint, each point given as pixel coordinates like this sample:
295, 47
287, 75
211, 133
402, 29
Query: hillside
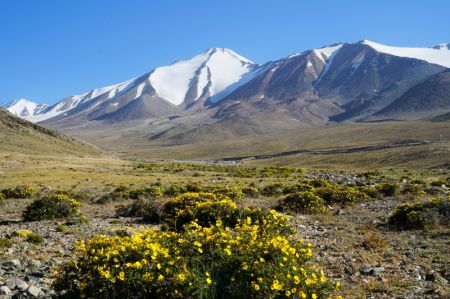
19, 136
430, 96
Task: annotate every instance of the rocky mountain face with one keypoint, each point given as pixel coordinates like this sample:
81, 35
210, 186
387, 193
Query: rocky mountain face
341, 82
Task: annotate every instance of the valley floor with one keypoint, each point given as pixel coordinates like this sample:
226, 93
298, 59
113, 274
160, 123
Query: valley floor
351, 243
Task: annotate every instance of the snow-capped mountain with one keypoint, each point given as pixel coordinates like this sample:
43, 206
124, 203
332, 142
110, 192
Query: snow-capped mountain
211, 75
343, 81
24, 108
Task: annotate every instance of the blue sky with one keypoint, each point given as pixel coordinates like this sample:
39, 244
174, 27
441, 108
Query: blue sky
50, 49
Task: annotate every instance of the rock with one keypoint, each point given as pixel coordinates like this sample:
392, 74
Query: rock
302, 226
11, 264
34, 291
339, 212
371, 271
13, 283
4, 290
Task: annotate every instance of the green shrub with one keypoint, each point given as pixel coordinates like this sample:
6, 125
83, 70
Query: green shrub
249, 260
35, 238
19, 192
148, 209
62, 228
439, 183
297, 188
174, 190
302, 202
421, 215
388, 189
51, 206
275, 189
412, 189
118, 194
251, 192
5, 243
340, 194
146, 192
318, 183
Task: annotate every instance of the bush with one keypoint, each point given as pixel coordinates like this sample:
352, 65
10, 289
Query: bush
388, 189
421, 215
250, 260
5, 243
303, 202
174, 190
206, 208
273, 189
118, 194
149, 210
439, 183
297, 188
51, 206
234, 193
250, 192
146, 192
35, 238
412, 189
340, 194
19, 192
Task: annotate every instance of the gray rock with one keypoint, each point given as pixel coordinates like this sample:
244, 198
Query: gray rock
22, 285
4, 290
11, 264
13, 283
371, 271
34, 291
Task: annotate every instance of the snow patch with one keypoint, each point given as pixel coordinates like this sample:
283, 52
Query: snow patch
439, 56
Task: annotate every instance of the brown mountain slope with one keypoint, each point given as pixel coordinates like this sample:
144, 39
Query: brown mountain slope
20, 136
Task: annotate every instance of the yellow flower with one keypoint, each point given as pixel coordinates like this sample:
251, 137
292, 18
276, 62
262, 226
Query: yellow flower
160, 277
208, 280
257, 287
314, 296
276, 285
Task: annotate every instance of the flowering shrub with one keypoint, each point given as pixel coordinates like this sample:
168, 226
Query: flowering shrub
18, 192
388, 189
421, 215
273, 189
304, 202
146, 192
51, 206
204, 207
234, 193
340, 194
413, 189
249, 260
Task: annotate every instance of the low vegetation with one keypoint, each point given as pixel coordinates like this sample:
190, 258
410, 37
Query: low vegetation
421, 215
51, 206
252, 259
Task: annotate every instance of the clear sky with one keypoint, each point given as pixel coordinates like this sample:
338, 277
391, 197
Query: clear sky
50, 49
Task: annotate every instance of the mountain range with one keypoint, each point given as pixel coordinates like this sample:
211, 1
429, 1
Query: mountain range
220, 90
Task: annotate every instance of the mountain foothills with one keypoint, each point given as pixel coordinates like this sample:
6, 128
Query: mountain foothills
220, 93
19, 136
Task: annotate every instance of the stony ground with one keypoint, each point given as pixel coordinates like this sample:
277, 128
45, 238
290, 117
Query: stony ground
351, 244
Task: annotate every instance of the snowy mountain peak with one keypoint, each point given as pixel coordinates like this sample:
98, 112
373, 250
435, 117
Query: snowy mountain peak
328, 51
24, 108
439, 56
203, 75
